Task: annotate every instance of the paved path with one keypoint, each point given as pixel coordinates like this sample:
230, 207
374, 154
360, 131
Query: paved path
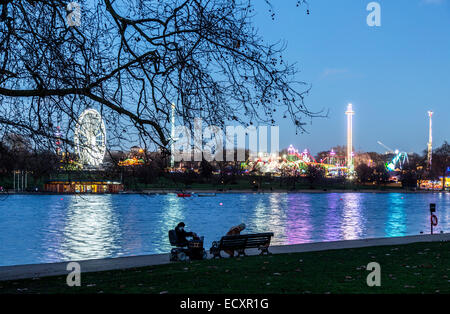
55, 269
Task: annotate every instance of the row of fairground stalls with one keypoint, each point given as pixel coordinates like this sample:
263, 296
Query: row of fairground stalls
287, 166
293, 161
435, 185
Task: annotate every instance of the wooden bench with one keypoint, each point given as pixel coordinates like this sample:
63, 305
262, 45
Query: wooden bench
241, 242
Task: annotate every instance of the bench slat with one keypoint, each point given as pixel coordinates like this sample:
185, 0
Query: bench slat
241, 242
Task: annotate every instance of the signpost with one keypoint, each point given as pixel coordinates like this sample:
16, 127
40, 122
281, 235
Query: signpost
433, 217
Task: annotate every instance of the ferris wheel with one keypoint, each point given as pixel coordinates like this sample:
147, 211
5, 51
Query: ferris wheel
90, 138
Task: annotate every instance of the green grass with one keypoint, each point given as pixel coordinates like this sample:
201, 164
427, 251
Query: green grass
414, 268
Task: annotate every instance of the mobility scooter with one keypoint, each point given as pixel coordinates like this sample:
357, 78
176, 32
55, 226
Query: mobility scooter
192, 251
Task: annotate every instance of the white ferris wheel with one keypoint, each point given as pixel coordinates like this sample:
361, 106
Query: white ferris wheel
90, 138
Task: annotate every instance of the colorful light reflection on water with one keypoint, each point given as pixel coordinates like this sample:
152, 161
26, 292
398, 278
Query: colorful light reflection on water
51, 228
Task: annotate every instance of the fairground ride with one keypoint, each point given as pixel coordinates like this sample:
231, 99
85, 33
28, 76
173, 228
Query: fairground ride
397, 163
399, 160
90, 138
133, 161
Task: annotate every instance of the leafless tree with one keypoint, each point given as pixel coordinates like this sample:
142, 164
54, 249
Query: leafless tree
131, 60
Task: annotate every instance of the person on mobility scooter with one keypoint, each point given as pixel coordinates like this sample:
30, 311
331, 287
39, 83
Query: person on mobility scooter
185, 250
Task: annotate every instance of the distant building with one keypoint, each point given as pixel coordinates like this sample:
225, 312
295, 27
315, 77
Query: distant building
82, 186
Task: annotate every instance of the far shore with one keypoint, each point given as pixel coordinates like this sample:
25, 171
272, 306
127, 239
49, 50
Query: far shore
199, 191
243, 191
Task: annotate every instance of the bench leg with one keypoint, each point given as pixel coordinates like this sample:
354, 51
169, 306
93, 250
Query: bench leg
264, 250
217, 254
241, 252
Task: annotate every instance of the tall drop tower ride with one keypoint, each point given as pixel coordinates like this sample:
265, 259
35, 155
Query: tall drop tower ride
350, 113
172, 136
430, 141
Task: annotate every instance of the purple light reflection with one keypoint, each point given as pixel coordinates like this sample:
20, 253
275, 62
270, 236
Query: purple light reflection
299, 226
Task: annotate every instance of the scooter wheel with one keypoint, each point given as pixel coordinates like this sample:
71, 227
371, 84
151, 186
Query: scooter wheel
182, 257
173, 257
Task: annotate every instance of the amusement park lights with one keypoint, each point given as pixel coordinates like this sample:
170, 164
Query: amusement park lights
350, 114
90, 138
430, 141
172, 136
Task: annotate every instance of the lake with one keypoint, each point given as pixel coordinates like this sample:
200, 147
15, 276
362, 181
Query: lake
53, 228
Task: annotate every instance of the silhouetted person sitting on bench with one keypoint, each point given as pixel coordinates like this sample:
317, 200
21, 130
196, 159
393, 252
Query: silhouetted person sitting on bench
236, 230
182, 234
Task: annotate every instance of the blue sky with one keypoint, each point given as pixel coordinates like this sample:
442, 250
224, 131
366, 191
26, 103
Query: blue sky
393, 74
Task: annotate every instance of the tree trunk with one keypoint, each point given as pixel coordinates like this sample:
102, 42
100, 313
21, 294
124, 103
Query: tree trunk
444, 178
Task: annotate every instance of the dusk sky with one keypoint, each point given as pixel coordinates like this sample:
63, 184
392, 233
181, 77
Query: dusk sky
392, 74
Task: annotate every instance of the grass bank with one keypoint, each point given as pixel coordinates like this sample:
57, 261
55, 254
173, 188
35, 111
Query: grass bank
413, 268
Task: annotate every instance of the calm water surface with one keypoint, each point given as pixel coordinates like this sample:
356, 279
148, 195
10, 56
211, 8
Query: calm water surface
52, 228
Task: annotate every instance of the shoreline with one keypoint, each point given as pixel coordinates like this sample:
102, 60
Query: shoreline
243, 191
197, 191
28, 271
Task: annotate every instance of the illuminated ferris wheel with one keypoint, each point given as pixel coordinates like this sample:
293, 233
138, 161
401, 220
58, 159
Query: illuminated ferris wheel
90, 138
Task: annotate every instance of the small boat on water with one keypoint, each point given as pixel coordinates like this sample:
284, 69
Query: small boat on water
184, 195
